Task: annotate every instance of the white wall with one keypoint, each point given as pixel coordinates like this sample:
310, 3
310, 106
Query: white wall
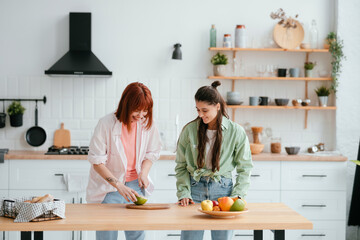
348, 100
134, 39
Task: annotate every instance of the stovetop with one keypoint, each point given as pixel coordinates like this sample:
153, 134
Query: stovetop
72, 150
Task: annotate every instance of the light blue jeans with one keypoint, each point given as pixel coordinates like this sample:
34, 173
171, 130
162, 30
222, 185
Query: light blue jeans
115, 197
207, 188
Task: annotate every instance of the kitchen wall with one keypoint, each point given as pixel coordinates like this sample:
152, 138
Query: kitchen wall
134, 39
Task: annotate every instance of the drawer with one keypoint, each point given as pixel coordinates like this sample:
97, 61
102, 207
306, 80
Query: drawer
313, 176
163, 174
43, 174
163, 196
317, 205
263, 196
4, 175
323, 230
265, 176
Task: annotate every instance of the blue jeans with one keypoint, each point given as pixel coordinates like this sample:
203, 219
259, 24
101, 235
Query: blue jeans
115, 197
207, 188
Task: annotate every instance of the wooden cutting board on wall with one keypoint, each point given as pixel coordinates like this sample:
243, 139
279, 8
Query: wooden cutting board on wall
62, 137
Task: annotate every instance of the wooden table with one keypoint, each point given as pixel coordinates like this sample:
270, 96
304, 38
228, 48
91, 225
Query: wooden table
101, 217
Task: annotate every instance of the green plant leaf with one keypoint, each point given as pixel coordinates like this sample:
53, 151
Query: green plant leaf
357, 162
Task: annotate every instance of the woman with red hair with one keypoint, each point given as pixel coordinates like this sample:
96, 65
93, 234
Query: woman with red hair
122, 150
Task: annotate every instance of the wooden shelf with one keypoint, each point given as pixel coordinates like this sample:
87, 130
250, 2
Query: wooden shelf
281, 107
272, 78
270, 50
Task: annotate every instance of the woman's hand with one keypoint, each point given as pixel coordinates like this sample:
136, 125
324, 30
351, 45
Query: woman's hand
143, 180
128, 193
185, 201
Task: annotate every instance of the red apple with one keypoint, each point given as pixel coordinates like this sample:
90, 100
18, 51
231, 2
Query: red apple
215, 203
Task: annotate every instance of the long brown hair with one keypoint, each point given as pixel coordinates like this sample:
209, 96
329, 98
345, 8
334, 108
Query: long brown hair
210, 95
135, 97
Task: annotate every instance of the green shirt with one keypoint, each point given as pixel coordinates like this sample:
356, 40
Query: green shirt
235, 153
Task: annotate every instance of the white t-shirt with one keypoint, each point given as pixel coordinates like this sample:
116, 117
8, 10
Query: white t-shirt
211, 134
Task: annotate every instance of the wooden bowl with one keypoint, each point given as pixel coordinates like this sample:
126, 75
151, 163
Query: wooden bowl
256, 148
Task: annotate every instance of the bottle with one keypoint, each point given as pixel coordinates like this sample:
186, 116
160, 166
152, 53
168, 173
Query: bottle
213, 36
240, 36
227, 41
275, 145
313, 35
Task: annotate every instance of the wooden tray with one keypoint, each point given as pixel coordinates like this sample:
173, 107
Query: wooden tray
288, 38
148, 206
223, 214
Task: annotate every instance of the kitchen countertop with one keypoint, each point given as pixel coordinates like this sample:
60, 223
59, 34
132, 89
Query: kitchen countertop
105, 217
167, 155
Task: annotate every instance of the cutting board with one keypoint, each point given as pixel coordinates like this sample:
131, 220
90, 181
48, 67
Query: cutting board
288, 38
148, 206
62, 137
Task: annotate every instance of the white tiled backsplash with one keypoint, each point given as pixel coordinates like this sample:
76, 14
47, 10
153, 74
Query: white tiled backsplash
80, 101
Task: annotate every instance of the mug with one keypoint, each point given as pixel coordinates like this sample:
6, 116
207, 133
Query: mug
294, 72
264, 101
254, 101
282, 72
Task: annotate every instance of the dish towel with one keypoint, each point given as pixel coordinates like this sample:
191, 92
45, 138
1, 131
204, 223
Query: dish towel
76, 182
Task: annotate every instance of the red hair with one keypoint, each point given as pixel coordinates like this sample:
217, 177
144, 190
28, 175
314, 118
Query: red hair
136, 97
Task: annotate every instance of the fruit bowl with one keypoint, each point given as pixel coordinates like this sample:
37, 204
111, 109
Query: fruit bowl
223, 214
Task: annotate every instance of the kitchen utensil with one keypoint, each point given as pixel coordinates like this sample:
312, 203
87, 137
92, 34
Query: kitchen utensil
254, 101
35, 136
264, 101
256, 131
62, 137
296, 102
223, 214
281, 101
3, 117
292, 150
305, 102
288, 38
148, 206
256, 148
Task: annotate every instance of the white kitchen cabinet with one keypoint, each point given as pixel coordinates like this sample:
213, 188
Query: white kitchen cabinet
40, 174
324, 230
4, 175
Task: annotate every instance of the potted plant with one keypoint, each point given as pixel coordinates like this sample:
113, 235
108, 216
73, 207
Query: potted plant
16, 111
337, 54
331, 37
219, 61
309, 66
323, 94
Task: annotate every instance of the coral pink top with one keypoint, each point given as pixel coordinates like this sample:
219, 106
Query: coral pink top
128, 139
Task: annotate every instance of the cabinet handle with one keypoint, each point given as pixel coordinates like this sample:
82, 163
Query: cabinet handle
313, 235
314, 175
254, 175
59, 174
244, 235
321, 205
173, 235
171, 174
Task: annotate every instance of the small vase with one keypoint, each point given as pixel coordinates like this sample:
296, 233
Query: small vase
16, 120
219, 70
323, 101
308, 73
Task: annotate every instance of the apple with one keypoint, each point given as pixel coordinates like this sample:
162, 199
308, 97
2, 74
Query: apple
238, 205
225, 203
207, 205
140, 200
215, 203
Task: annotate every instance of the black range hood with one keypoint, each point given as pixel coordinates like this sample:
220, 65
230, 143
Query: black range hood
79, 60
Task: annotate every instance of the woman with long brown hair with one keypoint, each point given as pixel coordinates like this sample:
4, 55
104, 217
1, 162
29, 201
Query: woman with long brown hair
122, 150
209, 149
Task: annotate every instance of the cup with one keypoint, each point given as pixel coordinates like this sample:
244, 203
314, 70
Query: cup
294, 72
281, 72
254, 101
264, 101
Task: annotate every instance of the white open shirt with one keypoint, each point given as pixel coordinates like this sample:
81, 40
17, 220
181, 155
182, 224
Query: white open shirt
106, 147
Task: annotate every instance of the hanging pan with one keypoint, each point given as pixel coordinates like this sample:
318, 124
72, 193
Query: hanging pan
3, 117
36, 136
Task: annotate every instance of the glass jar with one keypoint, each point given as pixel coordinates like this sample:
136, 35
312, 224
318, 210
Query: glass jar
227, 41
275, 145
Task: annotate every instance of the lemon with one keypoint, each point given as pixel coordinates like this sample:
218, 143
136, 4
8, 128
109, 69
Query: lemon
140, 200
